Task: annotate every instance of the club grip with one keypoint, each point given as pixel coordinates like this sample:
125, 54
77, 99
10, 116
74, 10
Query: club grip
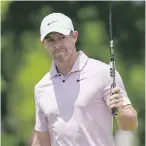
114, 111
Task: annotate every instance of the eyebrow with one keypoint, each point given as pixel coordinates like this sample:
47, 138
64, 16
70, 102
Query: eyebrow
49, 37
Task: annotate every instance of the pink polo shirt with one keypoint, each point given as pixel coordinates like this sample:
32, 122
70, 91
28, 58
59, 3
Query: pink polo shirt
73, 108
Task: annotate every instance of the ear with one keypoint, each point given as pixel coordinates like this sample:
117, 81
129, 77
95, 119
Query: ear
42, 42
75, 35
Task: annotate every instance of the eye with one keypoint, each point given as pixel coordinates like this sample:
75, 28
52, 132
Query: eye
49, 40
62, 37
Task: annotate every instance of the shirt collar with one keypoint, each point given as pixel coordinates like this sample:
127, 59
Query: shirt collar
78, 65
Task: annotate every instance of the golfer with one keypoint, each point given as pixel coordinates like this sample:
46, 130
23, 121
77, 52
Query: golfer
73, 100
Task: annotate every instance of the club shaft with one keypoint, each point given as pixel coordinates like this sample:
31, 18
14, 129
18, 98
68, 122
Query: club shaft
112, 60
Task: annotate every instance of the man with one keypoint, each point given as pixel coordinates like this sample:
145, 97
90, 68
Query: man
73, 100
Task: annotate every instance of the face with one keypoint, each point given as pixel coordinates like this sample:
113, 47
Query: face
60, 46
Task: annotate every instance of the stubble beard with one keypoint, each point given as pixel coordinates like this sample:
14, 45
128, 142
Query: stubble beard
62, 57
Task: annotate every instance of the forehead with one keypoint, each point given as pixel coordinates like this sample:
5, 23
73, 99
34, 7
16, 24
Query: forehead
52, 34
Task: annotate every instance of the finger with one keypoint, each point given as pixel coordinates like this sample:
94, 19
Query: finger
116, 90
114, 96
115, 101
116, 105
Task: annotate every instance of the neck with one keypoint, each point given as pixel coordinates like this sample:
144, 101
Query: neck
65, 67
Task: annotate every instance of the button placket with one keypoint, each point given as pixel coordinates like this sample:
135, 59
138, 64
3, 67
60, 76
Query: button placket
62, 78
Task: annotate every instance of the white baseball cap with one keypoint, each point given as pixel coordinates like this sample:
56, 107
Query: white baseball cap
56, 22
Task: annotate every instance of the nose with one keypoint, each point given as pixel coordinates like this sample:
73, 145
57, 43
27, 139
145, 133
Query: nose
57, 46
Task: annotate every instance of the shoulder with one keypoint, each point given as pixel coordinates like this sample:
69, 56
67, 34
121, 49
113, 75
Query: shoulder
98, 66
102, 70
102, 67
42, 83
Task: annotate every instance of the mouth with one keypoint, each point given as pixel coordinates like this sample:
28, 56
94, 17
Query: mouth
59, 50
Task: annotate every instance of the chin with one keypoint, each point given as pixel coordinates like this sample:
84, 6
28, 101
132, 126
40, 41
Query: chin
64, 55
61, 59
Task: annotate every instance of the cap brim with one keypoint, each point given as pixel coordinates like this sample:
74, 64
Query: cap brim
59, 30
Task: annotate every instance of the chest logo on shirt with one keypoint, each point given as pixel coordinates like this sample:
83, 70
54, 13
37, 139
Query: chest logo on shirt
78, 80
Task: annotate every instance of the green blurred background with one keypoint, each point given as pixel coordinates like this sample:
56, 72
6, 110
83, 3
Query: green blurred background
25, 61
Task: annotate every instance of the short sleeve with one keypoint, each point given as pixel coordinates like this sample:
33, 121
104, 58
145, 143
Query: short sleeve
41, 123
119, 83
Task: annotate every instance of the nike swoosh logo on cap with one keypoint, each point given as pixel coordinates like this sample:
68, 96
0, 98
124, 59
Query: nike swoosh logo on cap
52, 22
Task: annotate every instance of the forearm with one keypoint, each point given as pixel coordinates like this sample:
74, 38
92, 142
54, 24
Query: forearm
35, 140
41, 139
127, 118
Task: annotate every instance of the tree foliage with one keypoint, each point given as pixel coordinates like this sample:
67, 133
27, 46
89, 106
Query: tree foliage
25, 61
